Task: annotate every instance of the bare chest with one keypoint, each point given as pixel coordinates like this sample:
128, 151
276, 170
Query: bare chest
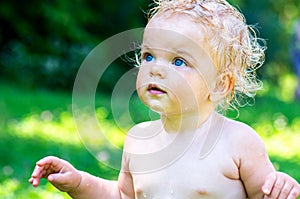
189, 177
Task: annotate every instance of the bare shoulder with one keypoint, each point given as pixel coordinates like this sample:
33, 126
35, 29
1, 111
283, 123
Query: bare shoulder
140, 133
241, 136
144, 129
239, 130
231, 124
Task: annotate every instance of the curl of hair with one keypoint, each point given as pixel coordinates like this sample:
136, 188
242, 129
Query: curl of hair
232, 44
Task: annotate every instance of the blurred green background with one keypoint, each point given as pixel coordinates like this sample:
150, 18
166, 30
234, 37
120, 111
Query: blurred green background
42, 45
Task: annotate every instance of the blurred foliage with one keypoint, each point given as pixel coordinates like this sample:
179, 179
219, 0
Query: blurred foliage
43, 43
275, 22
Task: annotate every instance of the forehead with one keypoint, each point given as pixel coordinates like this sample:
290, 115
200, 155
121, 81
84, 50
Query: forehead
173, 30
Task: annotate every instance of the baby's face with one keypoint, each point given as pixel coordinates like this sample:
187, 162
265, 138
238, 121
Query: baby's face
176, 74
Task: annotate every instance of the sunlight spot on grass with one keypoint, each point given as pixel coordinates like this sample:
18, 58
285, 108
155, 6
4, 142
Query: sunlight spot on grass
282, 140
11, 189
8, 187
45, 192
111, 131
287, 84
99, 132
47, 116
63, 129
280, 121
285, 90
44, 126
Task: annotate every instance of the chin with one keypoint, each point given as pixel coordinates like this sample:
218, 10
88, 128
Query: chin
156, 108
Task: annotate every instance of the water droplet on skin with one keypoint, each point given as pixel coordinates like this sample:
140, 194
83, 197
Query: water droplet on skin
144, 195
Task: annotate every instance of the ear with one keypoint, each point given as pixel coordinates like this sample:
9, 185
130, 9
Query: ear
222, 87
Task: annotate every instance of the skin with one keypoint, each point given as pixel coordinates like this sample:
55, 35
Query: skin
191, 152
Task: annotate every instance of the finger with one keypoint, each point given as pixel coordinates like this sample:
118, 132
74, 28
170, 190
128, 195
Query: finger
34, 181
60, 181
278, 186
47, 160
40, 170
285, 191
269, 183
53, 178
53, 163
57, 178
295, 192
35, 176
37, 172
63, 177
31, 180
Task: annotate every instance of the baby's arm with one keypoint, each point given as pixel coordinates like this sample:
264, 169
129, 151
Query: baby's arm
77, 184
280, 185
258, 174
254, 164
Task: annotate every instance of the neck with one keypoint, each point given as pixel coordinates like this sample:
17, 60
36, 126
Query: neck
184, 122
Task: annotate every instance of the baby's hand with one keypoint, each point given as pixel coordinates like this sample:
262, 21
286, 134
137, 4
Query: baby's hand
59, 172
280, 185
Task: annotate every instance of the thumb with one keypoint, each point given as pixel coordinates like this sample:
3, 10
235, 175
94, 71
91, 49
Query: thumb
55, 178
59, 181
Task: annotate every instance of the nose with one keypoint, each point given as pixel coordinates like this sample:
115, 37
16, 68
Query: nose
158, 71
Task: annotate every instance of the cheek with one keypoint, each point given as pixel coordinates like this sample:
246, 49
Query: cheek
141, 78
196, 86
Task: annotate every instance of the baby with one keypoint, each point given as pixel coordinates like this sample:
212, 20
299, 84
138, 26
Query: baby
197, 56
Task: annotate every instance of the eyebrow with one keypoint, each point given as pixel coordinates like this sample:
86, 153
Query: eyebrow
186, 54
177, 51
174, 51
145, 47
180, 52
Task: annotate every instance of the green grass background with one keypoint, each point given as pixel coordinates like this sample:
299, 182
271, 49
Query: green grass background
36, 123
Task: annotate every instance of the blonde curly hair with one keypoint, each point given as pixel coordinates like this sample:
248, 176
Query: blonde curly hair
232, 44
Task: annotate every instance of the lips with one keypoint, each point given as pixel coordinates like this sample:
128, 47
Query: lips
155, 89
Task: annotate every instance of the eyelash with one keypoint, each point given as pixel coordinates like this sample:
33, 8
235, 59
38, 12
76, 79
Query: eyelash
181, 60
145, 56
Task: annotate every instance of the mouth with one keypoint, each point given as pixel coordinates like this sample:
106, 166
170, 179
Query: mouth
155, 89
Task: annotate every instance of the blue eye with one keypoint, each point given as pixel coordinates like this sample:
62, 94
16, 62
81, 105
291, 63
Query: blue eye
179, 62
148, 58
